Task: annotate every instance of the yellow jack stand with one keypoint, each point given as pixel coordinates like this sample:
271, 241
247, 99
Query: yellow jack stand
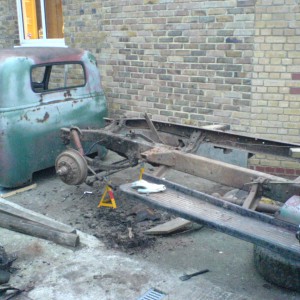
142, 170
108, 202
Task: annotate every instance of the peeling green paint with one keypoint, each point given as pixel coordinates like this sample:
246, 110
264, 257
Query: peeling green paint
30, 122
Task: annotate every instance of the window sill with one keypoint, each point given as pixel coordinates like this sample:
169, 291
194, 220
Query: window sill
43, 43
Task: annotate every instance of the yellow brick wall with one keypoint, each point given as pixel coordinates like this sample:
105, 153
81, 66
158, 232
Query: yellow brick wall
275, 110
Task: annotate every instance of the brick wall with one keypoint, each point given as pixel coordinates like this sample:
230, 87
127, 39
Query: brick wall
199, 62
275, 104
184, 62
276, 67
9, 33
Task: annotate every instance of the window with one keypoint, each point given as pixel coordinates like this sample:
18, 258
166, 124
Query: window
57, 76
40, 22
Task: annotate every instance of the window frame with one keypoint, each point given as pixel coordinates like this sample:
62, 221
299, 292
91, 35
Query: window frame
44, 42
47, 76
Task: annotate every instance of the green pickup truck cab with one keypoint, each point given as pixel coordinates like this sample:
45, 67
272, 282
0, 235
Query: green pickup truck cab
42, 90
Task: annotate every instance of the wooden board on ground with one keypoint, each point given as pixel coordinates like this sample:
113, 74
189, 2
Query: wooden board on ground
20, 219
17, 191
169, 227
16, 210
38, 230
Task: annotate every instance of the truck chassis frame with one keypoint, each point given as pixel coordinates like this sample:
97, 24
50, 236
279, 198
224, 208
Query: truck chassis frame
173, 146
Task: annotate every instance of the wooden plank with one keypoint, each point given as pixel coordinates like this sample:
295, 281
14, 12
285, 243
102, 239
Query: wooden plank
207, 168
221, 172
38, 230
16, 210
21, 190
169, 227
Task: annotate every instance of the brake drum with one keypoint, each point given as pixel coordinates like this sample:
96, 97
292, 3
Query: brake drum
71, 167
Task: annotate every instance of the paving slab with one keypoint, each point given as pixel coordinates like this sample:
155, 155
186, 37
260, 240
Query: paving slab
94, 272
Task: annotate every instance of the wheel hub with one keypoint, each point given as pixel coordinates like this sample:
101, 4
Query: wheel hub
71, 167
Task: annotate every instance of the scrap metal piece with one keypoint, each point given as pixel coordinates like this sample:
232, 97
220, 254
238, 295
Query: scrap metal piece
71, 167
75, 135
187, 277
153, 129
87, 192
290, 211
256, 191
236, 196
195, 140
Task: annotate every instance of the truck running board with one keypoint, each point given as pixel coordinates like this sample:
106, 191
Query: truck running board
248, 225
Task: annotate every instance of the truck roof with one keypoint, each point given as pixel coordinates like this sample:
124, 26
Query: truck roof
43, 54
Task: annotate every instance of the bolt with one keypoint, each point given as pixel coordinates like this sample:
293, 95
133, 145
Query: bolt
62, 171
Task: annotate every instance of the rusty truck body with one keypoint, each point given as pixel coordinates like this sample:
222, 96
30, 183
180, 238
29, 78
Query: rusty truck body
42, 90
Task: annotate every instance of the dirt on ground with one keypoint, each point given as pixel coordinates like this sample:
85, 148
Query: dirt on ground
121, 228
117, 227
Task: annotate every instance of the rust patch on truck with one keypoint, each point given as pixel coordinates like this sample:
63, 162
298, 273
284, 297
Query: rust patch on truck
68, 94
45, 118
24, 117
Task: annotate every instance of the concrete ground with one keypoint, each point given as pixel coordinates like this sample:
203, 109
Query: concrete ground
95, 271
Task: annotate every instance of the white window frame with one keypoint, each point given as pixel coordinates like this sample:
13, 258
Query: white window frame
43, 42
